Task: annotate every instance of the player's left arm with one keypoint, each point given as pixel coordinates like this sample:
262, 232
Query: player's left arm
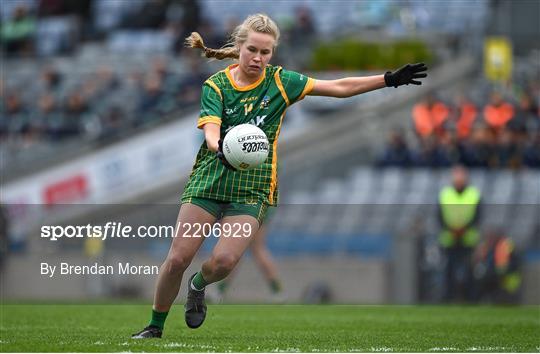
351, 86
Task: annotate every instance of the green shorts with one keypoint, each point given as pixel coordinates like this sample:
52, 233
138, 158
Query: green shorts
221, 209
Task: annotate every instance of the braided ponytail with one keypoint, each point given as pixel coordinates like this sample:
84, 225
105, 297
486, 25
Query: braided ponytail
195, 41
258, 23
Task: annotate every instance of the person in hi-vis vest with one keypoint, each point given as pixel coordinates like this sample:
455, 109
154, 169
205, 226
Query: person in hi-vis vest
459, 212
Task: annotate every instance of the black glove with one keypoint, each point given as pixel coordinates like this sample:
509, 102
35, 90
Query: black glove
406, 75
221, 156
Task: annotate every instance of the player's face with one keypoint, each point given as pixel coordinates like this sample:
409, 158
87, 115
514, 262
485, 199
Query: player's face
255, 53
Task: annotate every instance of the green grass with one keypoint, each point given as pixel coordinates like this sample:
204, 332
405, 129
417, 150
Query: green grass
239, 328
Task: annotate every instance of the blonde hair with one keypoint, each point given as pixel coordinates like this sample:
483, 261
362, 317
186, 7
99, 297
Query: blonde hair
260, 23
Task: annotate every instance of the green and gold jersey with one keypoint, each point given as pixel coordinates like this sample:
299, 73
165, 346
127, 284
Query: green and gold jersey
263, 104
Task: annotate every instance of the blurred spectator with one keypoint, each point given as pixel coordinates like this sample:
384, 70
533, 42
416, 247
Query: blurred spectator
150, 100
75, 105
300, 36
191, 17
529, 114
190, 86
150, 15
160, 67
15, 115
183, 18
465, 118
81, 8
522, 115
112, 122
507, 151
498, 113
396, 152
46, 119
52, 8
100, 86
497, 269
108, 14
212, 38
531, 153
476, 151
18, 32
108, 81
459, 213
75, 113
432, 154
50, 80
303, 29
429, 117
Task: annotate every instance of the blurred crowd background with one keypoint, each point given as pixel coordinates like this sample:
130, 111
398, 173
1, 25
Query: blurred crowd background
99, 100
480, 128
46, 101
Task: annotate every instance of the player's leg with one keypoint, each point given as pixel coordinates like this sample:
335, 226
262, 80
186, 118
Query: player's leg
264, 260
187, 242
239, 224
223, 285
229, 250
181, 253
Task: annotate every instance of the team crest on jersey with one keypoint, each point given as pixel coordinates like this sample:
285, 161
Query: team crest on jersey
265, 102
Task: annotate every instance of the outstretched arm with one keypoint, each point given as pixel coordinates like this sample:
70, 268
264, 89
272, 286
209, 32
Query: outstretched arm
347, 87
351, 86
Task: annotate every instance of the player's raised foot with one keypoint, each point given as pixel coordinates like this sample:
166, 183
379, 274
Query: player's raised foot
148, 332
195, 307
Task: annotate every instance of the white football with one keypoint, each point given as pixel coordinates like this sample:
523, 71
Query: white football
245, 147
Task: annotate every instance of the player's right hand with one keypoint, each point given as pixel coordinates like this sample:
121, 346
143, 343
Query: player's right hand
221, 156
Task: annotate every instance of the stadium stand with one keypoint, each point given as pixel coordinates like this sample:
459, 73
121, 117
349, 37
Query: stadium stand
77, 50
387, 201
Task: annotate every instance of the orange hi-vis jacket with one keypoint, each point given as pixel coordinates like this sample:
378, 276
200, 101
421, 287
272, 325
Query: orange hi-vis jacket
465, 120
498, 116
429, 120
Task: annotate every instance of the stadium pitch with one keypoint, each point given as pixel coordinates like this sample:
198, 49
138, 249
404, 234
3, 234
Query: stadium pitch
269, 328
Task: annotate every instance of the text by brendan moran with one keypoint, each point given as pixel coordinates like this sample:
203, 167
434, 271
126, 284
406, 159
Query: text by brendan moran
120, 268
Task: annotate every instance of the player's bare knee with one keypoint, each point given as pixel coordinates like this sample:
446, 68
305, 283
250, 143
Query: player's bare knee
176, 265
224, 263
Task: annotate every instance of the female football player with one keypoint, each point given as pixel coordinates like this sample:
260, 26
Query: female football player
250, 91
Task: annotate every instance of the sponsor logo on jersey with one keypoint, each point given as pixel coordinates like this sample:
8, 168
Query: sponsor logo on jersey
257, 121
230, 111
249, 99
